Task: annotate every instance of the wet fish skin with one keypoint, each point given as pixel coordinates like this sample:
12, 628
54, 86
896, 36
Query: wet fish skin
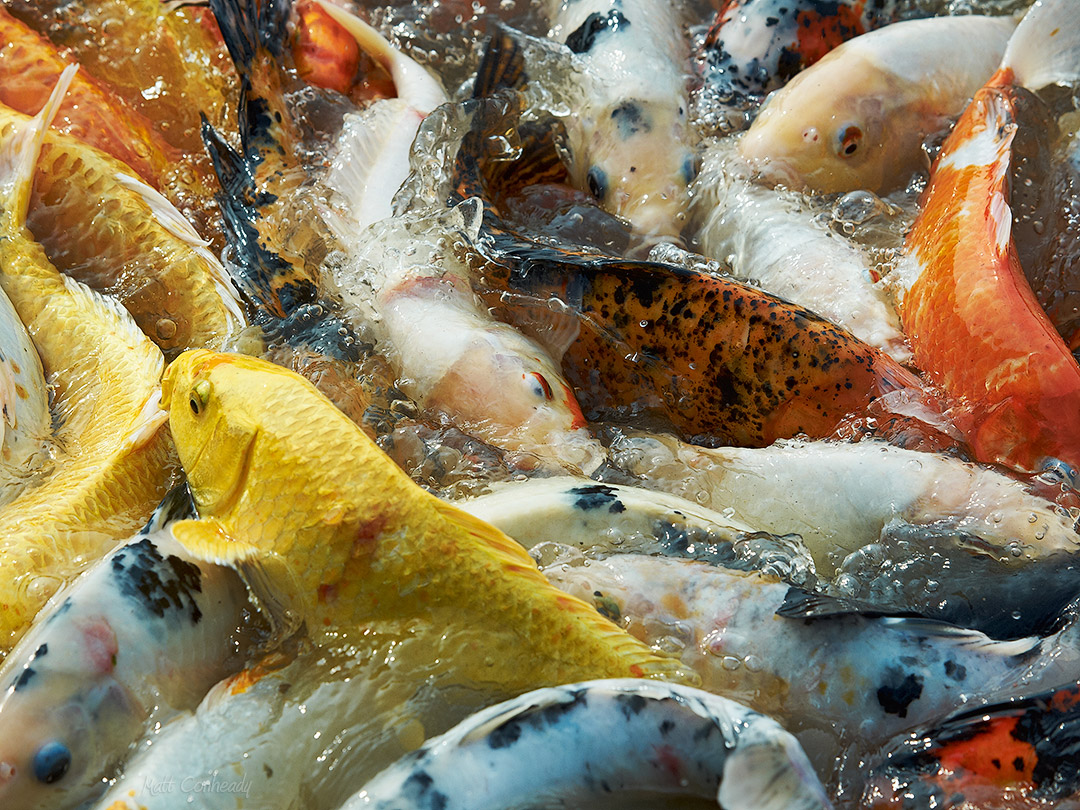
589, 740
857, 118
975, 326
354, 544
136, 638
106, 374
846, 682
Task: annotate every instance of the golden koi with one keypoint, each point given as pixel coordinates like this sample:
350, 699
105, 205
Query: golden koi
329, 531
106, 372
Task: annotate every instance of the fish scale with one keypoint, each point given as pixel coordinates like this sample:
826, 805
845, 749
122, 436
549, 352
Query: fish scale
328, 529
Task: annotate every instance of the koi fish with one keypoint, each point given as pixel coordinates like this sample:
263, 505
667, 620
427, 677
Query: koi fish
450, 354
371, 155
581, 742
770, 238
26, 422
30, 65
139, 636
974, 324
756, 46
857, 118
245, 431
1019, 754
846, 682
870, 505
106, 373
628, 138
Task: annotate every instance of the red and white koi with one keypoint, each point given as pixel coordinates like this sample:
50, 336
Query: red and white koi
969, 312
771, 238
371, 157
857, 118
582, 743
141, 635
628, 136
407, 282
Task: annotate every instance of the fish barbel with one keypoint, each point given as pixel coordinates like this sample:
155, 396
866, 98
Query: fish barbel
580, 743
136, 638
106, 372
974, 324
837, 682
857, 118
330, 532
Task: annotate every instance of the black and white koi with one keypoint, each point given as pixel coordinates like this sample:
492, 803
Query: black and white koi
583, 742
136, 638
628, 137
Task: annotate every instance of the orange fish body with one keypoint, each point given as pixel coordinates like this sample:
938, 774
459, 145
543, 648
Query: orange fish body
968, 310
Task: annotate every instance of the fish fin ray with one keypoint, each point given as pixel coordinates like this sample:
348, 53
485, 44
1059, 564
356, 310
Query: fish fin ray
20, 155
501, 65
1045, 48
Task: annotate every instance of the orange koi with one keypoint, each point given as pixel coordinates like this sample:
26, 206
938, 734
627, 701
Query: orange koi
972, 319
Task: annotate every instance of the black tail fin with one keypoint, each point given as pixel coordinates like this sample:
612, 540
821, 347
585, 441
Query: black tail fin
247, 25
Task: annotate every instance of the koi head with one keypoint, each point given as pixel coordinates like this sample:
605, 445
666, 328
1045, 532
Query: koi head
506, 389
65, 721
211, 402
825, 132
634, 161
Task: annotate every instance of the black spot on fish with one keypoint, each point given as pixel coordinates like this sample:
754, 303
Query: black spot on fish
24, 678
607, 607
268, 771
157, 583
417, 790
630, 704
899, 691
689, 170
1018, 763
583, 38
596, 496
666, 728
41, 651
505, 735
630, 120
996, 763
957, 672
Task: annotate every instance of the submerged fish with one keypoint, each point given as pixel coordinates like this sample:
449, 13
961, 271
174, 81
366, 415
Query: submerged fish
139, 636
583, 742
628, 135
972, 319
410, 284
756, 46
106, 372
774, 240
857, 118
839, 682
330, 532
1019, 754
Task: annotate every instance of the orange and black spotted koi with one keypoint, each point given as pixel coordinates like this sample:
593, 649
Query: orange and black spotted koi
1011, 756
755, 46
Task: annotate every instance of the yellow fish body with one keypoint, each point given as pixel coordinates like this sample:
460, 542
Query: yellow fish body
326, 528
113, 464
103, 226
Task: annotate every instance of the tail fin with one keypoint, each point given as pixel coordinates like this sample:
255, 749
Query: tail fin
19, 157
1045, 48
247, 25
502, 65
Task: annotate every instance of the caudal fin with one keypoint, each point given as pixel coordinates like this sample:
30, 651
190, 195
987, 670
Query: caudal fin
20, 154
1045, 48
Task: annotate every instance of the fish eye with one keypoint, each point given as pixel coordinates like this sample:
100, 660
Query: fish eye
542, 388
848, 139
200, 395
51, 762
597, 181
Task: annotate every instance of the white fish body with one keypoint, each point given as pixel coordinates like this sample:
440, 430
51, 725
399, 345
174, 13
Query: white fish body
138, 637
371, 156
629, 141
769, 238
578, 743
857, 118
26, 423
841, 496
408, 283
838, 681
